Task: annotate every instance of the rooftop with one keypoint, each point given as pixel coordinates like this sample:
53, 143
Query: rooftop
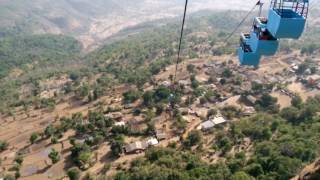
218, 120
152, 141
138, 145
160, 134
121, 123
206, 125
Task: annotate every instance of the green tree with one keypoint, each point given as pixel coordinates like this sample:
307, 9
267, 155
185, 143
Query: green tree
224, 144
194, 138
54, 140
291, 114
84, 158
19, 160
302, 68
80, 154
49, 131
296, 102
148, 98
74, 173
97, 92
54, 156
131, 96
83, 91
267, 103
254, 169
9, 177
191, 68
195, 84
3, 145
162, 93
34, 137
212, 112
117, 147
227, 73
241, 176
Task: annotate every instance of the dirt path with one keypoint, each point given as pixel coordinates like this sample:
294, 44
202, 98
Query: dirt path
283, 100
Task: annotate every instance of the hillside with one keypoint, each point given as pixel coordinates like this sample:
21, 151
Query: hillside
65, 112
35, 50
90, 22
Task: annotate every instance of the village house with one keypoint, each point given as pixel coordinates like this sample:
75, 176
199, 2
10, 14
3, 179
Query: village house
249, 110
136, 147
251, 100
184, 83
140, 146
218, 120
160, 134
115, 115
152, 142
212, 122
206, 125
121, 123
166, 83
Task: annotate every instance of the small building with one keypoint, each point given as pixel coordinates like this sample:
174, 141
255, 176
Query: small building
115, 115
121, 123
249, 110
251, 99
161, 135
184, 82
166, 83
152, 142
218, 120
136, 147
294, 67
206, 125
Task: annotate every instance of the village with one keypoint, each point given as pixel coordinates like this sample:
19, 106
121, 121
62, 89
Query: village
227, 92
284, 85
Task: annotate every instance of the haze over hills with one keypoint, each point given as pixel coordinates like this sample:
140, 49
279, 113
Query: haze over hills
94, 21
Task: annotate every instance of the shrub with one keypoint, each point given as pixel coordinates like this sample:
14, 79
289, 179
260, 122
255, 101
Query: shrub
74, 173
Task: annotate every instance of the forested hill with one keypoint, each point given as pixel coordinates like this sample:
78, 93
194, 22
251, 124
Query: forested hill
25, 53
56, 94
91, 22
29, 58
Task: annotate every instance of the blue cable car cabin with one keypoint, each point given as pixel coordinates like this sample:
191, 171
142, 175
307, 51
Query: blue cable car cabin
287, 18
246, 55
261, 40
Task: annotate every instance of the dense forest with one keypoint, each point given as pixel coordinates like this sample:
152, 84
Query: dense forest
38, 50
